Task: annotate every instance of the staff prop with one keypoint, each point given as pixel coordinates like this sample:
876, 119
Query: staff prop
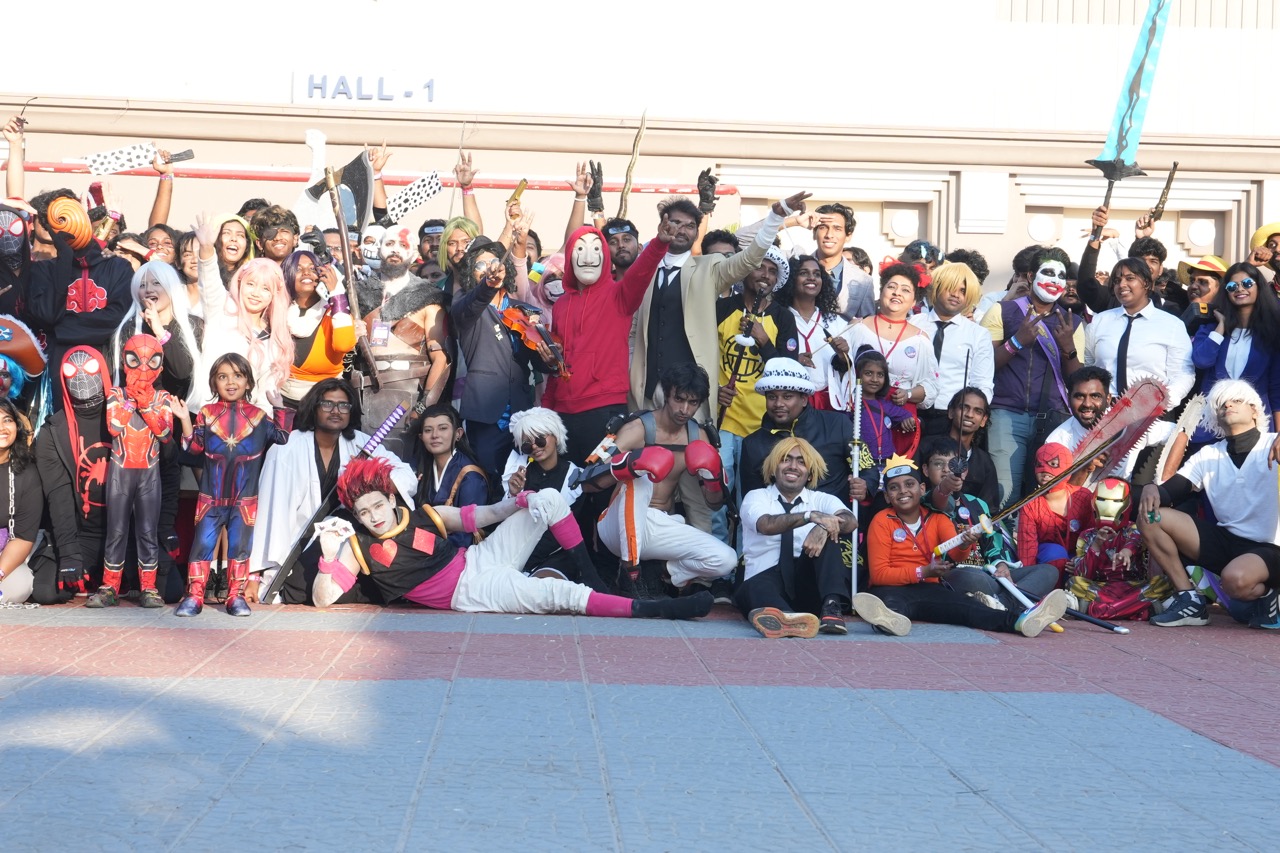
327, 506
855, 467
1119, 155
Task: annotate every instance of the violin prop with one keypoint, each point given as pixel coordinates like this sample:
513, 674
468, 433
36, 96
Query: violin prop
523, 320
744, 342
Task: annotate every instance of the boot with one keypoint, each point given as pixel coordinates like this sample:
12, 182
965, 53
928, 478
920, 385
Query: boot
586, 568
687, 607
148, 595
237, 577
193, 602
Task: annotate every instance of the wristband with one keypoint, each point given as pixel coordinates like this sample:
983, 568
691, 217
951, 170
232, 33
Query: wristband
579, 198
787, 211
166, 177
377, 176
468, 514
522, 499
1016, 344
164, 339
919, 573
468, 191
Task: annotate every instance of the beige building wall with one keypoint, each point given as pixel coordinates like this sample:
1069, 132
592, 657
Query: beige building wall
995, 192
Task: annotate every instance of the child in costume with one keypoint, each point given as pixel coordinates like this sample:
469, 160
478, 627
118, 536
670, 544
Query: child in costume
1110, 573
1049, 526
879, 415
230, 438
139, 420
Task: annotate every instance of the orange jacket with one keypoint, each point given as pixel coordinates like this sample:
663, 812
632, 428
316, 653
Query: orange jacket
894, 554
323, 359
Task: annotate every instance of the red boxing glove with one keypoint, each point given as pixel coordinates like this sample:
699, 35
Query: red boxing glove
703, 461
655, 461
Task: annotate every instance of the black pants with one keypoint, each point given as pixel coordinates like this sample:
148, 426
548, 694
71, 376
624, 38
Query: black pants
815, 578
933, 422
585, 429
933, 602
491, 446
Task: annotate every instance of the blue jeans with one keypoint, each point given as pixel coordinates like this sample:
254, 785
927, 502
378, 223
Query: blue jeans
730, 455
1008, 435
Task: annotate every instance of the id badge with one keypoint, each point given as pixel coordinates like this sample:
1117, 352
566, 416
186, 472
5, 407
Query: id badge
380, 334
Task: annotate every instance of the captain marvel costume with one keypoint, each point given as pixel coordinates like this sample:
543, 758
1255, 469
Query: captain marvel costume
139, 419
230, 439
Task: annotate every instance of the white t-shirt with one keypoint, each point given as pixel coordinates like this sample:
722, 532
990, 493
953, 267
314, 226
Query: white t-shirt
761, 552
1244, 499
1071, 432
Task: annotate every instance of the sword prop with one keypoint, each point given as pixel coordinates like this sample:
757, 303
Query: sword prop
1013, 590
1158, 210
855, 466
1119, 155
327, 505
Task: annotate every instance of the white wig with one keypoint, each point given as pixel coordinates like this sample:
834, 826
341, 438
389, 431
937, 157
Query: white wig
132, 324
1233, 390
539, 421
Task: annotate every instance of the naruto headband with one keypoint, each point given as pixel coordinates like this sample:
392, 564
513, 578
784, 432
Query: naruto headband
899, 466
432, 230
620, 229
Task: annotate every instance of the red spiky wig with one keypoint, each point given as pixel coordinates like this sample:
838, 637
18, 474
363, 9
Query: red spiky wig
362, 476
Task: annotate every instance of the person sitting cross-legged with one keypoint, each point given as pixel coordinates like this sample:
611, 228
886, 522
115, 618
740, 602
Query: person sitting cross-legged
795, 570
906, 575
1237, 480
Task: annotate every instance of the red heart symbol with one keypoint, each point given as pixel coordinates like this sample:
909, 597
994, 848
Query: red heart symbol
384, 552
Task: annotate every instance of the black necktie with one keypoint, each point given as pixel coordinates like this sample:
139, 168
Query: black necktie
667, 275
787, 558
1122, 356
937, 339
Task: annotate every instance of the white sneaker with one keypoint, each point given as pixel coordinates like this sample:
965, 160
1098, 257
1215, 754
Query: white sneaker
1048, 611
874, 612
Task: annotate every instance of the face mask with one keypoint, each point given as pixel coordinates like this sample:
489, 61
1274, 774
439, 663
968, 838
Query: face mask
13, 238
1050, 281
1053, 459
143, 359
588, 259
82, 371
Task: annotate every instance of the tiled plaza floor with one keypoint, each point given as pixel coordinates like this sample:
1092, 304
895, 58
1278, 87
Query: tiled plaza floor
369, 729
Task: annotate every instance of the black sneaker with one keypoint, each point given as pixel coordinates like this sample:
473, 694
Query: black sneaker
1266, 611
832, 621
722, 591
1185, 610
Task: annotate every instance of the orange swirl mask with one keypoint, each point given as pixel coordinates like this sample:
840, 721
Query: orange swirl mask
68, 216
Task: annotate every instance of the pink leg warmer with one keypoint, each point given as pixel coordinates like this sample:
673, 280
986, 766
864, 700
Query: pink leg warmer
566, 532
601, 604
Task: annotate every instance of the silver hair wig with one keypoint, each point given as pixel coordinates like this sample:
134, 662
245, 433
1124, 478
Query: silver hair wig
1225, 391
539, 421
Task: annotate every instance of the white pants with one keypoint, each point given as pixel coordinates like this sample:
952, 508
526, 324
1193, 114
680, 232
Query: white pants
635, 531
17, 585
493, 582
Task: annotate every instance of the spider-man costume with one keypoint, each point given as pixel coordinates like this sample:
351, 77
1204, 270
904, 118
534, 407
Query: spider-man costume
139, 419
231, 440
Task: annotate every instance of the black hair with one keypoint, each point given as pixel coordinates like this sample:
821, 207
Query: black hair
478, 247
939, 445
868, 353
172, 234
626, 223
974, 260
430, 223
844, 212
179, 246
237, 361
274, 216
305, 421
719, 236
20, 454
289, 269
957, 399
1144, 246
826, 300
337, 231
907, 271
1138, 267
922, 251
1089, 373
419, 458
114, 242
537, 243
688, 377
1265, 318
254, 204
42, 201
1027, 260
100, 212
683, 205
859, 256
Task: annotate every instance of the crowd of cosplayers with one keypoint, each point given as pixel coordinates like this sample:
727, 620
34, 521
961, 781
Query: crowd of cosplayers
253, 410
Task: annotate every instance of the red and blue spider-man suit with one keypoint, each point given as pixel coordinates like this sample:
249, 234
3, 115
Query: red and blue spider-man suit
231, 440
139, 419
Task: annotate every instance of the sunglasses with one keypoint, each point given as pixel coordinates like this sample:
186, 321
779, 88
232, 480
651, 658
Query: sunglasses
1246, 283
539, 441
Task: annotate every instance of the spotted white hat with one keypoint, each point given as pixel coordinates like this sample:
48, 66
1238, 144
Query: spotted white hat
785, 374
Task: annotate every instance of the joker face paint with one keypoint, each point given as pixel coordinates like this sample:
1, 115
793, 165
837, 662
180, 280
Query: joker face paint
1050, 281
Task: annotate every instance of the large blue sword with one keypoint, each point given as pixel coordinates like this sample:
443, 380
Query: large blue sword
1119, 156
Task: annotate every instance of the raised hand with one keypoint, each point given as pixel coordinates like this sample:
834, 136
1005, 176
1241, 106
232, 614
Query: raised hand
707, 190
791, 204
582, 182
464, 171
206, 229
595, 194
161, 161
379, 156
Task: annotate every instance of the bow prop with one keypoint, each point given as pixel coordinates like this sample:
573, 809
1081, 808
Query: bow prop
1118, 159
306, 534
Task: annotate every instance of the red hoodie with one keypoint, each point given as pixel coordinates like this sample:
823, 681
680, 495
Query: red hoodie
595, 323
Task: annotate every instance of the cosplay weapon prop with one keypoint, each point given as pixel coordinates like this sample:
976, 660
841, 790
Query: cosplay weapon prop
1017, 593
1119, 155
348, 265
1158, 210
1028, 600
1177, 443
416, 194
855, 467
354, 183
1123, 425
22, 122
831, 338
631, 166
137, 156
515, 196
306, 534
744, 342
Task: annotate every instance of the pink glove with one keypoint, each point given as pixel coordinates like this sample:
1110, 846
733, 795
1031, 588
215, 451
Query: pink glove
703, 461
656, 462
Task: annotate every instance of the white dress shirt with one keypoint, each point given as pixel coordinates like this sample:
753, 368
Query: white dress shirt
967, 357
1071, 432
761, 552
1158, 347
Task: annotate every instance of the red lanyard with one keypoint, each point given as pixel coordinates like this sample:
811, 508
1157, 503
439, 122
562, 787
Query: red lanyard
879, 338
877, 425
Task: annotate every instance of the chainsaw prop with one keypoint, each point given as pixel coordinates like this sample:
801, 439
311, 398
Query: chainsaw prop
1123, 425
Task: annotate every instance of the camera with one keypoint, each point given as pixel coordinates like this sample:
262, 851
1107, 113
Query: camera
314, 240
957, 465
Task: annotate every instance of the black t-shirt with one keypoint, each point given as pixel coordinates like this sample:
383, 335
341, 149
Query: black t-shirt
27, 500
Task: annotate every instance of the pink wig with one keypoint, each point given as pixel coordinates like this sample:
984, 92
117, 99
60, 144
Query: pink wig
276, 315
